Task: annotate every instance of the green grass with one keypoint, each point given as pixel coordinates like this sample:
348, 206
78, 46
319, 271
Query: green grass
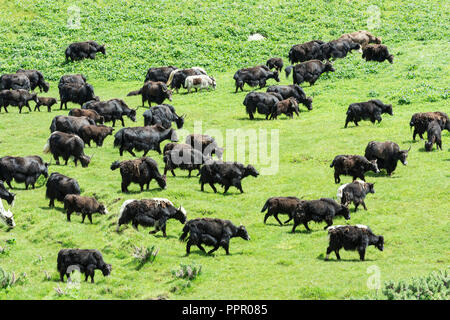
410, 209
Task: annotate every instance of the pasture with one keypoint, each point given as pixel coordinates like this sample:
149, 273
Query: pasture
410, 208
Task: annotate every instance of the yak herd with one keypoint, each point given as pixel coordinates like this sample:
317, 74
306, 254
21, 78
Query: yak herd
69, 135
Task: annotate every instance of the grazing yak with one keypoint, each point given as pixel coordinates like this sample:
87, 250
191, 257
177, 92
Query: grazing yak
199, 82
19, 98
23, 170
83, 50
256, 76
204, 143
292, 91
225, 173
263, 102
84, 205
83, 260
141, 171
288, 107
386, 154
143, 139
177, 78
66, 145
310, 50
211, 232
352, 165
338, 48
70, 124
159, 74
433, 136
377, 52
150, 212
357, 237
111, 110
88, 113
6, 216
362, 37
277, 205
308, 71
36, 79
324, 209
96, 133
369, 110
153, 92
15, 81
275, 63
58, 186
163, 115
421, 120
354, 192
45, 101
184, 157
76, 93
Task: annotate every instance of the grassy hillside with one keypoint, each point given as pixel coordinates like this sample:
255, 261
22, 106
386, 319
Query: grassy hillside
410, 209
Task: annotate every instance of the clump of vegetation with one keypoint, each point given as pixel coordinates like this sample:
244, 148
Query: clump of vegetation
434, 286
187, 271
145, 254
8, 279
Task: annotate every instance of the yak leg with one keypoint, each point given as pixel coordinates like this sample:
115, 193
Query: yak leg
123, 123
69, 212
290, 218
266, 216
364, 205
212, 186
356, 206
188, 246
362, 253
276, 217
337, 254
337, 178
133, 154
61, 275
329, 222
329, 250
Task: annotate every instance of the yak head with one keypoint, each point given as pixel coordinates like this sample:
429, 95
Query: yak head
44, 170
308, 103
250, 171
101, 49
180, 121
369, 187
7, 217
276, 76
180, 214
403, 155
5, 194
428, 146
167, 93
242, 232
102, 209
387, 108
344, 211
44, 86
380, 243
115, 165
85, 160
328, 67
106, 269
373, 166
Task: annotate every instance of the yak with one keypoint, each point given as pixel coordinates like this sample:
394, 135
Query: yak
45, 101
150, 212
58, 186
324, 209
163, 115
88, 113
19, 98
433, 136
355, 192
211, 232
84, 205
153, 92
370, 110
15, 81
70, 124
225, 173
263, 102
377, 52
66, 145
76, 93
177, 78
277, 205
184, 157
6, 216
204, 143
308, 71
23, 170
357, 237
421, 120
36, 79
96, 133
83, 260
352, 165
254, 76
111, 110
386, 154
292, 91
83, 50
143, 139
141, 171
288, 107
159, 74
310, 50
276, 63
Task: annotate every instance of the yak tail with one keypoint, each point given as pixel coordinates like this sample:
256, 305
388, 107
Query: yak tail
118, 138
288, 70
135, 93
47, 146
185, 232
266, 206
332, 164
169, 81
